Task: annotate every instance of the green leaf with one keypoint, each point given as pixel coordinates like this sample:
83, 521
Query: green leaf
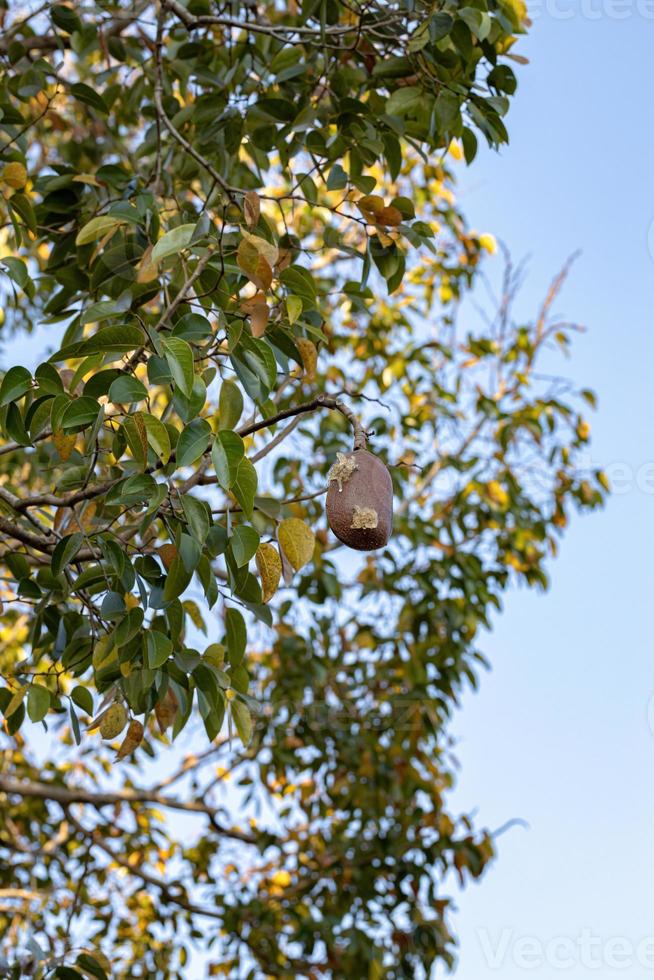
65, 19
15, 426
15, 702
97, 228
128, 627
89, 96
136, 436
235, 636
404, 100
242, 720
211, 699
198, 517
18, 271
193, 328
83, 698
159, 648
48, 379
244, 486
478, 21
126, 390
113, 340
140, 488
77, 735
244, 543
23, 207
81, 413
108, 340
16, 382
227, 452
172, 242
158, 437
65, 551
193, 442
179, 356
177, 580
294, 308
91, 966
38, 702
230, 405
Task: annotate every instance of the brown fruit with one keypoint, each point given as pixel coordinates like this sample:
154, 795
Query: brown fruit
360, 500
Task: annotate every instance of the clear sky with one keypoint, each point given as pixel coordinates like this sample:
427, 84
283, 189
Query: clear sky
559, 733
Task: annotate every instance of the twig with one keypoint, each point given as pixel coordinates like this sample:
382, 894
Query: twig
322, 401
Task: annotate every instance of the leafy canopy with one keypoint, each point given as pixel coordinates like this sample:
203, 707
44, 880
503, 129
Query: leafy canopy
230, 231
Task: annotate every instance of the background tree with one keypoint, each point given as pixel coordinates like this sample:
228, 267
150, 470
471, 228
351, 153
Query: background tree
230, 229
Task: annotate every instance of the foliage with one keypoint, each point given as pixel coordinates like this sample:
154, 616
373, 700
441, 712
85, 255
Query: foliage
232, 234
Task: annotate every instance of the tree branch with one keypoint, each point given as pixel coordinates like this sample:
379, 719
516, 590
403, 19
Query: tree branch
65, 797
96, 838
322, 401
174, 132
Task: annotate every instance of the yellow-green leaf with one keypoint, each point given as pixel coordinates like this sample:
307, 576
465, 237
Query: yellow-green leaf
97, 228
269, 566
297, 541
242, 720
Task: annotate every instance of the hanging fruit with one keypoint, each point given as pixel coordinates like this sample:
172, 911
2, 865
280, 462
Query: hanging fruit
360, 500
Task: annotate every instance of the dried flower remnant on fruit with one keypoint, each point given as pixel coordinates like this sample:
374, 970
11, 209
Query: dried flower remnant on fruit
342, 469
364, 517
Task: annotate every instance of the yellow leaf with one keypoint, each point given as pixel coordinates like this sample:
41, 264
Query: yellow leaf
251, 208
64, 444
456, 150
15, 175
259, 313
242, 720
85, 518
293, 308
497, 494
87, 179
309, 356
265, 248
147, 269
269, 566
488, 243
373, 210
254, 264
194, 615
297, 541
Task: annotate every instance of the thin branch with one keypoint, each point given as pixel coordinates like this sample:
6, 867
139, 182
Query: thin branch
64, 796
96, 838
322, 401
174, 132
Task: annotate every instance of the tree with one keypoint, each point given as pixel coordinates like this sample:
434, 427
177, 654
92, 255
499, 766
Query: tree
231, 231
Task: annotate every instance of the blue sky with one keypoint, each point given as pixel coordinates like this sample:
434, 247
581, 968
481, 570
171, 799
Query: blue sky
559, 733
